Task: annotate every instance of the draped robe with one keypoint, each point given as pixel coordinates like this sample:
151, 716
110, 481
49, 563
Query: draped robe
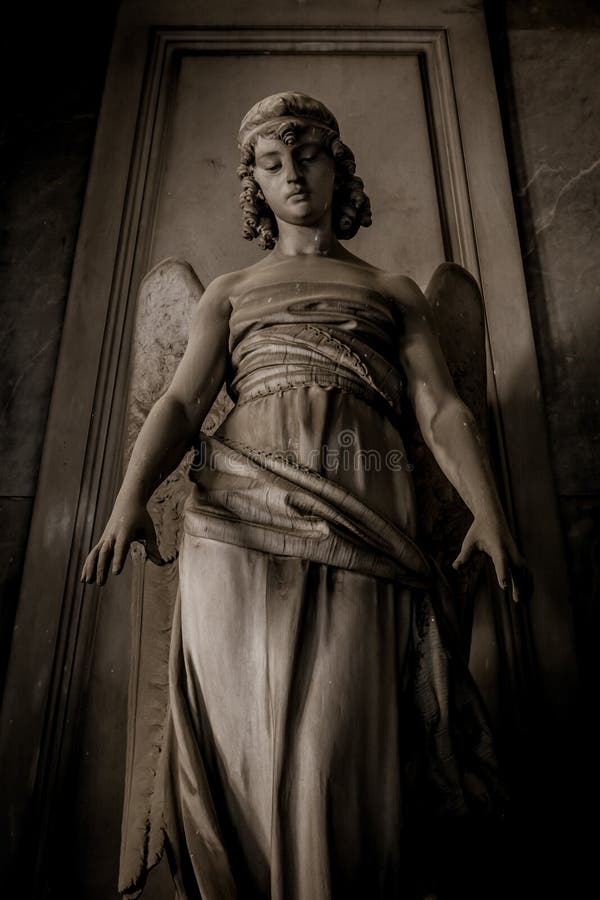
320, 712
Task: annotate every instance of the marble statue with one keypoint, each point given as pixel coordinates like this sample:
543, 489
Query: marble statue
314, 717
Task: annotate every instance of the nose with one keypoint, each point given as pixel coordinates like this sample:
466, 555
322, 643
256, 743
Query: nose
292, 170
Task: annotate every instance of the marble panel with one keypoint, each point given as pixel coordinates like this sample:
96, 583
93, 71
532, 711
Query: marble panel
552, 13
43, 205
49, 119
555, 127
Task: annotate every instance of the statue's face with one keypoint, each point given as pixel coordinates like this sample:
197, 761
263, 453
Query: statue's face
296, 179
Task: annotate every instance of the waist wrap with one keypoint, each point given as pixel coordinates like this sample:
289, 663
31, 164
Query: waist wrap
281, 357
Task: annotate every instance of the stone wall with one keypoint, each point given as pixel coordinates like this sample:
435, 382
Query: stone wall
54, 58
546, 61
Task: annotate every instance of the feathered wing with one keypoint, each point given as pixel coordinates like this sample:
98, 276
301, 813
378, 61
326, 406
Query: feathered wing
166, 299
458, 314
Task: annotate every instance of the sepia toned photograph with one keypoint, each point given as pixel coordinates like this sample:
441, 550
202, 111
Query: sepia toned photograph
300, 441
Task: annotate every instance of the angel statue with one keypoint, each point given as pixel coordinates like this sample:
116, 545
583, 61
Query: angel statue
310, 727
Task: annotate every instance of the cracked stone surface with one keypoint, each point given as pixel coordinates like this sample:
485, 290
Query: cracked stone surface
557, 134
549, 81
49, 121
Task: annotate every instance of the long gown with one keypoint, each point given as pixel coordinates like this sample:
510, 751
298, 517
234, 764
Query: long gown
320, 716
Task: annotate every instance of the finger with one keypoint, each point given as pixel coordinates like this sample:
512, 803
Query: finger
104, 560
464, 555
524, 582
120, 555
88, 573
518, 563
514, 588
502, 570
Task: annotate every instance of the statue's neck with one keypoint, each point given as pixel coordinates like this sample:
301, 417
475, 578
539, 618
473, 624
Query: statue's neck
299, 240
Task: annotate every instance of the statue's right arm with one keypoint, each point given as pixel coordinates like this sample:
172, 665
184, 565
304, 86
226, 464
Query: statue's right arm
169, 430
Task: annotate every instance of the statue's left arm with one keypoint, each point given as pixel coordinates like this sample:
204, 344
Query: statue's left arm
451, 433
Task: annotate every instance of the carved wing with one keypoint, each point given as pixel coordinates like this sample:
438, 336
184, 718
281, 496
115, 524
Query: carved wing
444, 519
166, 299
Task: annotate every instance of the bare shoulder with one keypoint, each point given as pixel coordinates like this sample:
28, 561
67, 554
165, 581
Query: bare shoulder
219, 292
401, 288
406, 294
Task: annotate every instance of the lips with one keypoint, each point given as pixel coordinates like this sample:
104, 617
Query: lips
300, 193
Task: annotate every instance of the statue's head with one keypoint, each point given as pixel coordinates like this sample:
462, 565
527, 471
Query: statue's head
289, 117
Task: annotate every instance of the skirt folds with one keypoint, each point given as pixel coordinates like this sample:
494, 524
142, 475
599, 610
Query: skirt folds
286, 685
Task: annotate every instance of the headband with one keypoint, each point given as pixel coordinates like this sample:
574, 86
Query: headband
304, 121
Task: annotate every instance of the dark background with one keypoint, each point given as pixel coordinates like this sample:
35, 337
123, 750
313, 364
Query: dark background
54, 59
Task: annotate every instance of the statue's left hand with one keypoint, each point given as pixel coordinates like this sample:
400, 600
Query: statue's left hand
494, 538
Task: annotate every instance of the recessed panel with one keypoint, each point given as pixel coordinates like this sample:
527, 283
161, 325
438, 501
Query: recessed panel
379, 103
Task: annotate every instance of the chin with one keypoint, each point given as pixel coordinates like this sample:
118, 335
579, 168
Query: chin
304, 214
297, 205
304, 220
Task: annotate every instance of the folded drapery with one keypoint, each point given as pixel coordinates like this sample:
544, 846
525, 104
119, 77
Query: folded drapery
266, 502
309, 361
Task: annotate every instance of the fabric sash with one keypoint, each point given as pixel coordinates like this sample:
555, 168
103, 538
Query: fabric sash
266, 502
283, 356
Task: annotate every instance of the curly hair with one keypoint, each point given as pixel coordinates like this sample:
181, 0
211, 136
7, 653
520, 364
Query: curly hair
284, 116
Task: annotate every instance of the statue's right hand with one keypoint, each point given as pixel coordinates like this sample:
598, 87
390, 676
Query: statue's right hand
128, 523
